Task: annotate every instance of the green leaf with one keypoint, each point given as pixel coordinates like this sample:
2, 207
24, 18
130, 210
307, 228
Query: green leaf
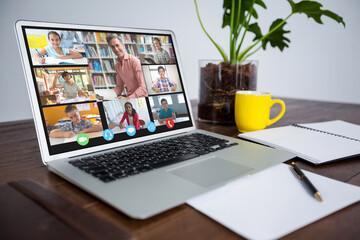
277, 38
245, 9
312, 10
254, 28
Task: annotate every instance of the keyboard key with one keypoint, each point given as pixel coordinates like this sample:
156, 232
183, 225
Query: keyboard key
132, 172
107, 178
88, 166
143, 168
202, 152
100, 174
119, 175
77, 163
95, 170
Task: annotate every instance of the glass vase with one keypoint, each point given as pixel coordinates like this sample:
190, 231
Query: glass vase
219, 82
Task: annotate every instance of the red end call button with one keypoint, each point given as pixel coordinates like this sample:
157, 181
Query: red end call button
169, 123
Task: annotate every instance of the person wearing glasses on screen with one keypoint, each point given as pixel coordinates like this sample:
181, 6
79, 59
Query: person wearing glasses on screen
128, 70
161, 55
163, 84
55, 50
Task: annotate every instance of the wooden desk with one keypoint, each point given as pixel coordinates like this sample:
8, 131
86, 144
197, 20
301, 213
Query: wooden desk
20, 158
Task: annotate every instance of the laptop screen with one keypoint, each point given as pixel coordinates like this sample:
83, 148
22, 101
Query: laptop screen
100, 87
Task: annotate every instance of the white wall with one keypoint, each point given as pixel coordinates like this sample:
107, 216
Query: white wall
321, 63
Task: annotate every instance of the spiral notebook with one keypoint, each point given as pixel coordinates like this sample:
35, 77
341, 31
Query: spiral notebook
315, 142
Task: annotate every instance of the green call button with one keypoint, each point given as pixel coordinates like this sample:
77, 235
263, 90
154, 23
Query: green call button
82, 139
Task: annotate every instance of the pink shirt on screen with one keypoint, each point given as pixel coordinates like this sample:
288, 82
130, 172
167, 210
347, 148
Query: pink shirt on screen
129, 73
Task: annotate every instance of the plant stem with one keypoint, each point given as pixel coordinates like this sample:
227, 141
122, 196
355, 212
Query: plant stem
247, 24
236, 32
238, 19
221, 50
232, 16
241, 56
242, 24
252, 53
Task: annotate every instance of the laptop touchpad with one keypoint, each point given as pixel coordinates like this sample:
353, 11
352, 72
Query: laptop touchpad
211, 171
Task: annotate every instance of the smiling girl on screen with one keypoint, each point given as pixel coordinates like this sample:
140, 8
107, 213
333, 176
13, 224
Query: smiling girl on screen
132, 118
55, 50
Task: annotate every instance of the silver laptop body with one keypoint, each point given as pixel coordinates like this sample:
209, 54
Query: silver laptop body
146, 194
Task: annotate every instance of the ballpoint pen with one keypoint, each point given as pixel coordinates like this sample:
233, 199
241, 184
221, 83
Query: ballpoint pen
39, 53
307, 182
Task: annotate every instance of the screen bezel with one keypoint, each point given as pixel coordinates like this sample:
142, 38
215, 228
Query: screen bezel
44, 149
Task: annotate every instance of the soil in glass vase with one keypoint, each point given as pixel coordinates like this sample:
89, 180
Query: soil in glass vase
219, 82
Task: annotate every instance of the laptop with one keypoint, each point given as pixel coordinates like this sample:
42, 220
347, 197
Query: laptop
120, 127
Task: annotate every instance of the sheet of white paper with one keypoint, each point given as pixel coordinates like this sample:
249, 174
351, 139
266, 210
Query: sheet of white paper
273, 203
53, 60
108, 94
56, 141
118, 130
71, 100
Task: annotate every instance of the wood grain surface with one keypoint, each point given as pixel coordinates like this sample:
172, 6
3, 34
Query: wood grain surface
20, 159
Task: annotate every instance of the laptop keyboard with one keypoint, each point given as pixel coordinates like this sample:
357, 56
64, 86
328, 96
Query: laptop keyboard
142, 158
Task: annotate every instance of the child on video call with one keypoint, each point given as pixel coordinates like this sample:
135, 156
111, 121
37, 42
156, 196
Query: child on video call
132, 118
161, 55
166, 112
55, 50
76, 126
71, 88
163, 84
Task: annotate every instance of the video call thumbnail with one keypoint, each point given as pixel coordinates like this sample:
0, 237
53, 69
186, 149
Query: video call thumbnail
125, 112
64, 85
162, 79
65, 122
169, 106
52, 47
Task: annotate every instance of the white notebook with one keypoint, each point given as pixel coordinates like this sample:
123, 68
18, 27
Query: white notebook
273, 203
315, 142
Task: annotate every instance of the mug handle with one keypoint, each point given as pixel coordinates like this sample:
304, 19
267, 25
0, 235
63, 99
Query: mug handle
282, 104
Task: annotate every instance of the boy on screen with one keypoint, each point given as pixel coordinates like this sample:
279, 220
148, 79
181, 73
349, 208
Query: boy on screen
76, 126
166, 112
163, 84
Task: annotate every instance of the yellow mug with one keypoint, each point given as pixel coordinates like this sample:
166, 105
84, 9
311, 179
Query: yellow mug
252, 110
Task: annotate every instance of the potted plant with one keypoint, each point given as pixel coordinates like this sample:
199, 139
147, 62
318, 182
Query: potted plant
221, 79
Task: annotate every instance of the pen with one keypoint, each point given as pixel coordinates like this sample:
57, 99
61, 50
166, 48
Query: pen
302, 177
38, 53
